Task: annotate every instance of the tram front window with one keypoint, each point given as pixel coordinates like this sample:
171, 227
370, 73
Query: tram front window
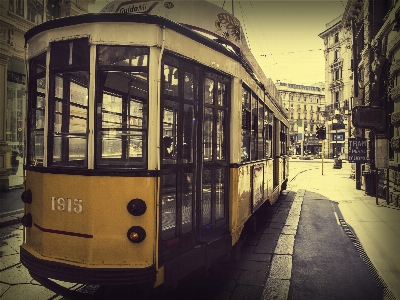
68, 103
122, 93
36, 104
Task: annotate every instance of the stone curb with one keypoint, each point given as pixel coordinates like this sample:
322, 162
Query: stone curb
11, 220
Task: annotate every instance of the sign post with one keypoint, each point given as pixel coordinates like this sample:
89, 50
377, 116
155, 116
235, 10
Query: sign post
323, 150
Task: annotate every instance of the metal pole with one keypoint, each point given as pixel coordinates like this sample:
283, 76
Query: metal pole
323, 157
335, 142
355, 84
376, 185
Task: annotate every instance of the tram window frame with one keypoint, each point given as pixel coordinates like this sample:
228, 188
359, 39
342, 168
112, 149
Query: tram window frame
254, 128
36, 110
246, 123
268, 133
260, 133
215, 168
283, 139
118, 66
69, 60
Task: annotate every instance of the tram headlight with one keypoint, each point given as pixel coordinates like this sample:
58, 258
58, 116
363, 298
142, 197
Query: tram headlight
136, 207
26, 220
136, 234
26, 196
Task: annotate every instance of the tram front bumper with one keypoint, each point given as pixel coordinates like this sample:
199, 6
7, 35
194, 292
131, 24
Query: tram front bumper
145, 277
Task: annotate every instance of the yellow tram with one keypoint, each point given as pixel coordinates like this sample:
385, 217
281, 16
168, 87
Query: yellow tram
152, 137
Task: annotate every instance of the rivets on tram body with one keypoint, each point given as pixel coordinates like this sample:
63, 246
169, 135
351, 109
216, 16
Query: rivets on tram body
26, 220
136, 207
136, 234
26, 197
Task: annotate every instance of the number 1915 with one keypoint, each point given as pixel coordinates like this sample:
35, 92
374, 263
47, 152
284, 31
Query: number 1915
67, 205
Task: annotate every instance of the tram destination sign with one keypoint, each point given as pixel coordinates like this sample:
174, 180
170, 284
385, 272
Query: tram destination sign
357, 150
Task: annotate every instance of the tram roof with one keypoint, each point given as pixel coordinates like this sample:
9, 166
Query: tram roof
217, 44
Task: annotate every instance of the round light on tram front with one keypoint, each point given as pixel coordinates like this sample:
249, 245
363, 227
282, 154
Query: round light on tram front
136, 234
136, 207
26, 196
26, 220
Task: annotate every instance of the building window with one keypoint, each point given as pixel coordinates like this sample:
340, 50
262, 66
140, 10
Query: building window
35, 11
336, 37
17, 7
336, 55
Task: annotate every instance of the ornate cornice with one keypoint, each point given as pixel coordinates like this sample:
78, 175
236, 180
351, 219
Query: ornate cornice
395, 94
395, 118
395, 143
395, 67
392, 45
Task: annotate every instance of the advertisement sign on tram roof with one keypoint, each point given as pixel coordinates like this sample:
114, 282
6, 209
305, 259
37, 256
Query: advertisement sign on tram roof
205, 18
198, 15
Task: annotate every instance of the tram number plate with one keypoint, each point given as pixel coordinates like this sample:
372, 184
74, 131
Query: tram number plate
67, 205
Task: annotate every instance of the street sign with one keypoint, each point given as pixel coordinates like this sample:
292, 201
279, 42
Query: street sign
370, 117
357, 150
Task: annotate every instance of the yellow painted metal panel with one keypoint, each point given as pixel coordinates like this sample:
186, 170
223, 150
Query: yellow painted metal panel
61, 231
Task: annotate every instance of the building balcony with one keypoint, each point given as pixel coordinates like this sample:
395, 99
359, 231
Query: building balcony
336, 85
337, 64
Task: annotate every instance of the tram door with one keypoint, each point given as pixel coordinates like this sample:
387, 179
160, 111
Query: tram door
194, 168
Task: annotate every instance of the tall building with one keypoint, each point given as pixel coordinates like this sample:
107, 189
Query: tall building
369, 43
17, 17
305, 105
338, 86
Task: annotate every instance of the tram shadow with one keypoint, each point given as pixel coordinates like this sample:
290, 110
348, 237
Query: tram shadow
241, 274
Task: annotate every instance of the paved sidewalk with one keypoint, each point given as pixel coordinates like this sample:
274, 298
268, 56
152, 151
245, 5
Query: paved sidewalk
11, 207
376, 227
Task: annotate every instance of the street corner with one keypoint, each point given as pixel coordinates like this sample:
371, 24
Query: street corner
16, 275
10, 242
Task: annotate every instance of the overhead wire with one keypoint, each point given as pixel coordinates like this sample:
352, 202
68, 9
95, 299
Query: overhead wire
246, 21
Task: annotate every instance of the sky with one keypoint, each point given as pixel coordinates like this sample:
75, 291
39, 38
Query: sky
283, 34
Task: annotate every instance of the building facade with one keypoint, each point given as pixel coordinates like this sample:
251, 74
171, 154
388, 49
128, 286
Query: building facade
338, 87
16, 18
371, 33
305, 105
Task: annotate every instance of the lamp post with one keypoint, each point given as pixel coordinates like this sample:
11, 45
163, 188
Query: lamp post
337, 117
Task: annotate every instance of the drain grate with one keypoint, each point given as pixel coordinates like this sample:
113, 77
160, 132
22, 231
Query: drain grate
381, 283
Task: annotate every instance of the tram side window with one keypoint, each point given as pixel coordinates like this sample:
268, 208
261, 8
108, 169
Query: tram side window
254, 127
122, 102
245, 152
214, 128
283, 139
68, 103
36, 104
268, 130
170, 114
208, 120
260, 127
